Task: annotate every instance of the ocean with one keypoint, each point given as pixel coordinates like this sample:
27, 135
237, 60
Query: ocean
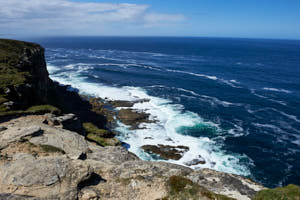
234, 102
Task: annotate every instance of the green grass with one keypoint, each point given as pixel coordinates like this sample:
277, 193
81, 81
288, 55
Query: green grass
182, 188
95, 138
2, 99
42, 109
51, 149
10, 53
12, 74
92, 129
34, 110
290, 192
100, 136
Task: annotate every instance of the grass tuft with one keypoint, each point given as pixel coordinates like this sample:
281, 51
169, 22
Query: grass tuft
182, 188
290, 192
92, 129
42, 109
95, 138
51, 149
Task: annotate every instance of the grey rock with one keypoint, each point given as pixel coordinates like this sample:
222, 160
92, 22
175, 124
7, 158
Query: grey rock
196, 161
227, 184
18, 133
89, 194
2, 128
110, 154
73, 144
54, 176
9, 196
67, 121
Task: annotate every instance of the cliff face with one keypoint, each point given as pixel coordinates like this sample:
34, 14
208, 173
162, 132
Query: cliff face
24, 79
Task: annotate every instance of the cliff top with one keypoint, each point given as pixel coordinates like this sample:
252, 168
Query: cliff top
11, 53
23, 75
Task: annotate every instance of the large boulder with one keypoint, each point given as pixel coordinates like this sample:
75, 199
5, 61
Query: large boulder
31, 129
73, 144
48, 177
67, 121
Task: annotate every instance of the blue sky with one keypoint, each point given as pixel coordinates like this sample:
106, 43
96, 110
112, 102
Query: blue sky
208, 18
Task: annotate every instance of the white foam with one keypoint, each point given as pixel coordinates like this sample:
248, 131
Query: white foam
231, 83
194, 74
277, 90
170, 118
292, 117
51, 68
264, 97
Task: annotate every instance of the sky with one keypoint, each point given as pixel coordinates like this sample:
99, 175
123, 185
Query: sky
196, 18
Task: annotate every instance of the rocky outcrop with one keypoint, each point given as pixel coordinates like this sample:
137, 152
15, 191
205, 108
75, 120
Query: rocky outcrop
49, 177
67, 121
166, 152
39, 161
133, 117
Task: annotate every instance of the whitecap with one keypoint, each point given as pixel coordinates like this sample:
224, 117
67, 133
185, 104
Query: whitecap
277, 90
194, 74
267, 98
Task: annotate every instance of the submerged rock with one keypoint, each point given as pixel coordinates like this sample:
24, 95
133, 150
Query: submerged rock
166, 152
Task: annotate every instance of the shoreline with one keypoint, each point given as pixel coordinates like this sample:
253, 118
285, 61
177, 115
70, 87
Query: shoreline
169, 118
54, 144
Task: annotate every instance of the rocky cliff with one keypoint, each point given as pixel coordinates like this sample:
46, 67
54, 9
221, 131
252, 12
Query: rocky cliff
48, 154
24, 78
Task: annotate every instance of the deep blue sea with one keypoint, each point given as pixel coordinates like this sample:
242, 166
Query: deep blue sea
234, 102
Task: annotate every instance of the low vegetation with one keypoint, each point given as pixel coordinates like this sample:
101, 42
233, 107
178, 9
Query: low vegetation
10, 52
51, 149
95, 138
39, 109
100, 136
290, 192
42, 109
181, 188
92, 129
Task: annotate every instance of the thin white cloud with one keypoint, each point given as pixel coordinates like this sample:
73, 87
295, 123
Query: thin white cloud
153, 19
41, 16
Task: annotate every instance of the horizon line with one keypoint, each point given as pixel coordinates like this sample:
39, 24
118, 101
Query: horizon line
157, 36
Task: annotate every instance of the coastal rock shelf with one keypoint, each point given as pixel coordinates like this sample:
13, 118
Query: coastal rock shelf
166, 151
43, 161
54, 144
